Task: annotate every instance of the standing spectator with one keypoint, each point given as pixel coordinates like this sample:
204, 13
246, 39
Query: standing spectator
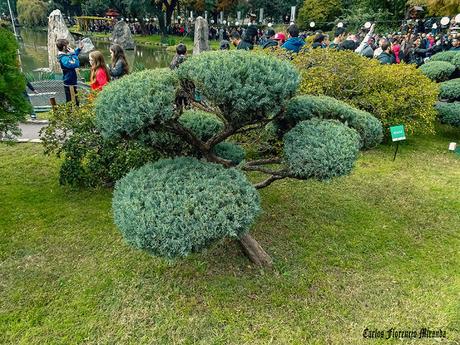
99, 71
455, 45
269, 40
68, 59
180, 57
33, 116
386, 58
280, 38
339, 35
224, 45
318, 41
119, 65
294, 42
239, 43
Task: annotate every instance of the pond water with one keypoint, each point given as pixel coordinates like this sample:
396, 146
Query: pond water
34, 52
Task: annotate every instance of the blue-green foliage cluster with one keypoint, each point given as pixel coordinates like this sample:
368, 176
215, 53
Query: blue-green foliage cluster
450, 90
449, 113
448, 56
134, 102
204, 125
321, 149
230, 151
306, 107
177, 206
245, 86
438, 70
456, 60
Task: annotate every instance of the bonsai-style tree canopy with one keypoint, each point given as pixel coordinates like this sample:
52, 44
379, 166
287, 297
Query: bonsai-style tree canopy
200, 195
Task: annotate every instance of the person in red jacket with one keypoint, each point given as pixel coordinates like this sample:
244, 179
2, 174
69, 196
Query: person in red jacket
99, 72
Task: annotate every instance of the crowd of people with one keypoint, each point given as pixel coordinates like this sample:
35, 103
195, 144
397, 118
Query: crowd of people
412, 47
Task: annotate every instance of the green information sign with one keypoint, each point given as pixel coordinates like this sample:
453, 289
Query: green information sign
398, 133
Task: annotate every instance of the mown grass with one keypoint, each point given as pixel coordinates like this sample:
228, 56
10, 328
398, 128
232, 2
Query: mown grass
377, 249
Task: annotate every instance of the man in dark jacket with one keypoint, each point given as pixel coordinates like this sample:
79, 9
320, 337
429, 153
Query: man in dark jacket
294, 42
239, 43
68, 59
386, 58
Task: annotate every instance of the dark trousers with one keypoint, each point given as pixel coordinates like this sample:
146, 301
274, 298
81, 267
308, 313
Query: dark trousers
68, 96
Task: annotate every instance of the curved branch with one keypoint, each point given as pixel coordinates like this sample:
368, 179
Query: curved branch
268, 181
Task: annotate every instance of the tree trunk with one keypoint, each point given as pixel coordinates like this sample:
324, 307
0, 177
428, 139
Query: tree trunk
255, 252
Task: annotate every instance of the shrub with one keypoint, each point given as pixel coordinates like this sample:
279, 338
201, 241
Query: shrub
393, 93
456, 60
450, 90
307, 107
13, 105
438, 70
241, 84
449, 113
446, 56
88, 159
138, 100
450, 56
322, 149
177, 206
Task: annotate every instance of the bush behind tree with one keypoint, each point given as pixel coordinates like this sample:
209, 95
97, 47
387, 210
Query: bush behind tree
395, 94
89, 160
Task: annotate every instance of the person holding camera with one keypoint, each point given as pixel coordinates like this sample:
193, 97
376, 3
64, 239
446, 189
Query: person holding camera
68, 59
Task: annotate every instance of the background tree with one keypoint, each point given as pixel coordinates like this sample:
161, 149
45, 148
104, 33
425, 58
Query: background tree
439, 7
32, 12
319, 11
13, 105
174, 207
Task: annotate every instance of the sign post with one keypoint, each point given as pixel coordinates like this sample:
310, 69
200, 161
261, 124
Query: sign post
397, 134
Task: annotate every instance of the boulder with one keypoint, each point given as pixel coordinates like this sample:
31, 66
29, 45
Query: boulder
201, 39
88, 46
122, 35
56, 30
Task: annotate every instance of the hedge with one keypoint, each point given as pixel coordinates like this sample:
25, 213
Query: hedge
438, 70
174, 207
392, 93
450, 90
449, 113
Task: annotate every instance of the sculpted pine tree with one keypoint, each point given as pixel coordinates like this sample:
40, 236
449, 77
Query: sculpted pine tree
180, 205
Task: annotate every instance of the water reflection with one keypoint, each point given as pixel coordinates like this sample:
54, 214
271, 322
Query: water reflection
34, 52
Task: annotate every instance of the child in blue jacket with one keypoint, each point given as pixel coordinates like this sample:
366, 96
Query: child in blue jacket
68, 59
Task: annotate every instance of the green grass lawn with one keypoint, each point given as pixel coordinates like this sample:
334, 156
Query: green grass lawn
376, 249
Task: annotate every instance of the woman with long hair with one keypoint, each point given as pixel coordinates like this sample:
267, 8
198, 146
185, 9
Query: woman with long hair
99, 72
119, 66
